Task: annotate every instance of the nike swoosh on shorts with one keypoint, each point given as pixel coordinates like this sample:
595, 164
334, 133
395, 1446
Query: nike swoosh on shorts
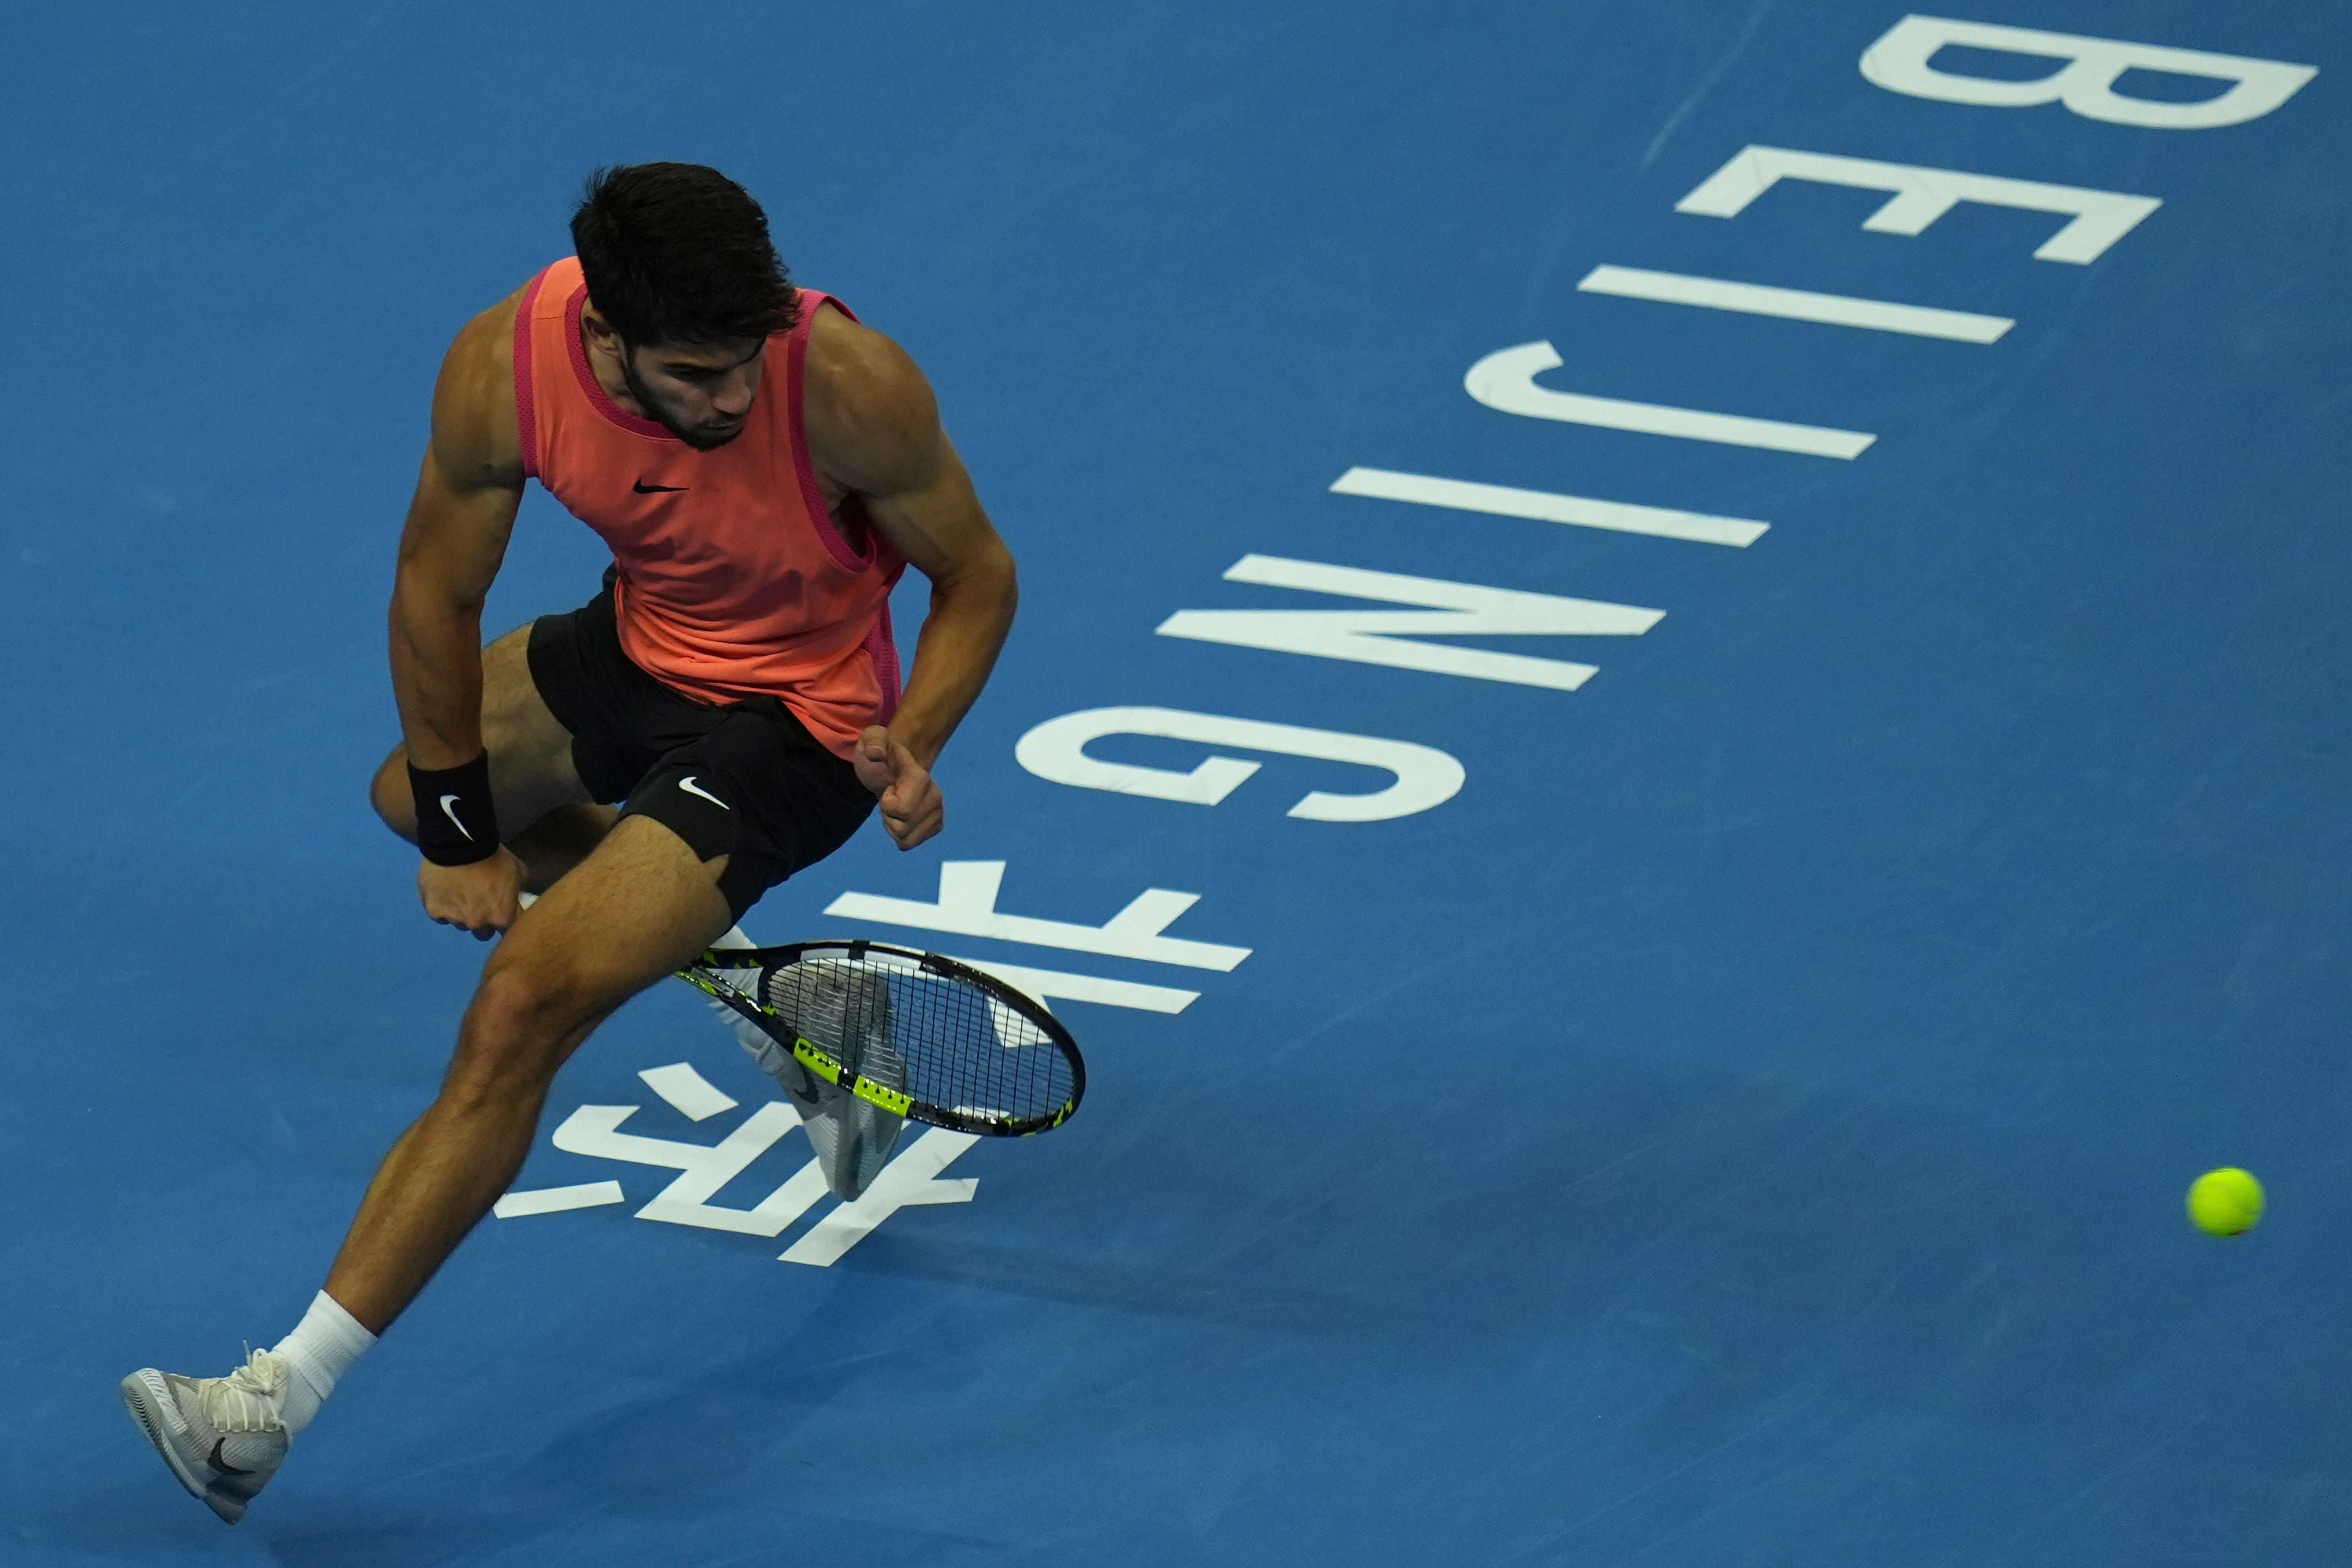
687, 784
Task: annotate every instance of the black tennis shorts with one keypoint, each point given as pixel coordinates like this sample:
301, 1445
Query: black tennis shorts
747, 781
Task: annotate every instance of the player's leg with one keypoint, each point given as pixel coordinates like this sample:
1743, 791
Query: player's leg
641, 904
715, 824
638, 907
545, 814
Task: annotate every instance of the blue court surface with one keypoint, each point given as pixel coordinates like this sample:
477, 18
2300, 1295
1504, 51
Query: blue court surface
1898, 845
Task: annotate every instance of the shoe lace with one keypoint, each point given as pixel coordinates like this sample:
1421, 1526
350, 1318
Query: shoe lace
251, 1398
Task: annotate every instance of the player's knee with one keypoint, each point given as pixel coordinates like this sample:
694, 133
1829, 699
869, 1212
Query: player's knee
527, 1000
388, 794
510, 1044
523, 1021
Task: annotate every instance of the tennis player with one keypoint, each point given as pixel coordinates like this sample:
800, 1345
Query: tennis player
763, 467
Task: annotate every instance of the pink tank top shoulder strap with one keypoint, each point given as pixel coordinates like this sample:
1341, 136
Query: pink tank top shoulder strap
803, 465
526, 404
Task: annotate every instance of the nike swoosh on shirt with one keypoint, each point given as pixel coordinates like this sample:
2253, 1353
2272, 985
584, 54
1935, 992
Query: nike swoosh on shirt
446, 802
686, 783
644, 489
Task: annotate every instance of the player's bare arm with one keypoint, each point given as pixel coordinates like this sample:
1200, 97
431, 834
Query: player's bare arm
459, 520
874, 433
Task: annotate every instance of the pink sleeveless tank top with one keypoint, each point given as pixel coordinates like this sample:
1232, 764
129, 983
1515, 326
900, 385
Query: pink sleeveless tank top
734, 579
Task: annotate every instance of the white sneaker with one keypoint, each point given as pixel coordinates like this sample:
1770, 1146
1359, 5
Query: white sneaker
222, 1437
848, 1015
852, 1139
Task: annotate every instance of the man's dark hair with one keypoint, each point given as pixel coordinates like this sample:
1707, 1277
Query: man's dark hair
679, 253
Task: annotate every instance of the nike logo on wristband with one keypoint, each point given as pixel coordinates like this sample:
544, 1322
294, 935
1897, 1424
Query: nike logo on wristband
449, 801
686, 783
644, 489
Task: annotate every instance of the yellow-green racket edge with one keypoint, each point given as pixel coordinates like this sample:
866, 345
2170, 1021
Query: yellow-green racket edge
810, 1056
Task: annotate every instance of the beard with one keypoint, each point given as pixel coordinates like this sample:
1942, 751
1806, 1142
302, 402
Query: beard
700, 440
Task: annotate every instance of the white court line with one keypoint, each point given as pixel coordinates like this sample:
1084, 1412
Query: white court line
1542, 506
555, 1200
689, 1093
967, 907
1795, 304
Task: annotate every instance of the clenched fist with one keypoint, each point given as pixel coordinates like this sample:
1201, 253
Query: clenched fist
912, 807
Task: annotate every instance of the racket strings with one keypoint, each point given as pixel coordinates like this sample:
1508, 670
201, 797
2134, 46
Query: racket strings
942, 1040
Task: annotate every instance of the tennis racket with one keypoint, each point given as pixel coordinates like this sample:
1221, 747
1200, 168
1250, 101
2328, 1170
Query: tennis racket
916, 1035
910, 1033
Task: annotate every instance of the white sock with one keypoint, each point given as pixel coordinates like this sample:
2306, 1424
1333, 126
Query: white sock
321, 1349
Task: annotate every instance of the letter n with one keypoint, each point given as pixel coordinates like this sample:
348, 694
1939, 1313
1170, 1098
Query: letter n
1386, 636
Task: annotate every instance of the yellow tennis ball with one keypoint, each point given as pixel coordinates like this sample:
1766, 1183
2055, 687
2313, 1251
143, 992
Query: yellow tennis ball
2227, 1202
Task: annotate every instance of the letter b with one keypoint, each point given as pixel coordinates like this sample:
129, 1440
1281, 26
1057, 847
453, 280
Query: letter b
2086, 83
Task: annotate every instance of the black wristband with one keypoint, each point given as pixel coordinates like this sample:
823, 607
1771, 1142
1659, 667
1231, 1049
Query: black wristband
455, 823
